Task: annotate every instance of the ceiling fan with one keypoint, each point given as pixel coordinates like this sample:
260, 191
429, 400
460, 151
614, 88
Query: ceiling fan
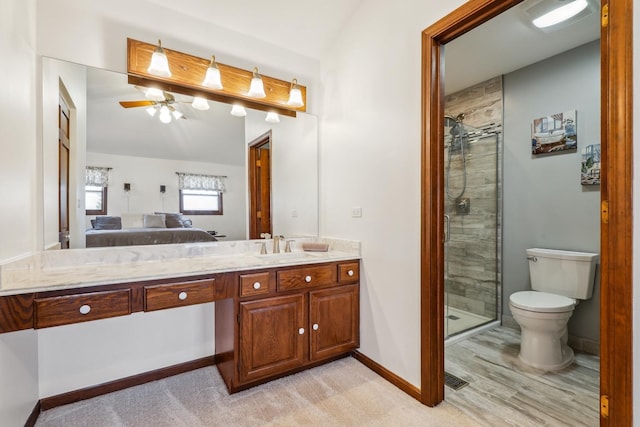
159, 101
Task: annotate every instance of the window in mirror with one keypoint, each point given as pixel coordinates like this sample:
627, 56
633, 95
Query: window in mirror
95, 200
200, 202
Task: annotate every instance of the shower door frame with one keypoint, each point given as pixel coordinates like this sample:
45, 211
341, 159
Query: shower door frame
616, 232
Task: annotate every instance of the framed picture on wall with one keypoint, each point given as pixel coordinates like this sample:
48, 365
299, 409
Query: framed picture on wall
590, 170
555, 133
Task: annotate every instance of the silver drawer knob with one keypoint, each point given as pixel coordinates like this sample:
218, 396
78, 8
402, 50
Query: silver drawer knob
256, 285
350, 273
85, 309
307, 279
301, 331
315, 326
182, 296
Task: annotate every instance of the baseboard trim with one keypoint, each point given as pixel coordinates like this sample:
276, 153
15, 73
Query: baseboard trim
31, 421
394, 379
121, 384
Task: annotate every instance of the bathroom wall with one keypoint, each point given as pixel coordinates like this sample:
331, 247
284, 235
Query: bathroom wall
473, 249
544, 203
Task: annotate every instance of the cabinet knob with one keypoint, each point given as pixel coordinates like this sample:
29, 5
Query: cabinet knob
315, 326
182, 296
307, 279
301, 331
256, 285
350, 273
85, 309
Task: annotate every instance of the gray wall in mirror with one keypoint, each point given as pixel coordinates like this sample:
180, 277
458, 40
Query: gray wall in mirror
146, 153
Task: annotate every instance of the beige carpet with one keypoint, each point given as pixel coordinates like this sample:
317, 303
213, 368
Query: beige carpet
342, 393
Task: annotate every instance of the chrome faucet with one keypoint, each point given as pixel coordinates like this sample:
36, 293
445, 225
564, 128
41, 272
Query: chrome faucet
276, 244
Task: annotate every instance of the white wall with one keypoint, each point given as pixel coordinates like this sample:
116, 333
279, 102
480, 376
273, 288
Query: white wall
145, 196
544, 203
19, 223
370, 158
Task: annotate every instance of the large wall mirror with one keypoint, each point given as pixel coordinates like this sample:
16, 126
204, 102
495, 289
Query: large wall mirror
84, 124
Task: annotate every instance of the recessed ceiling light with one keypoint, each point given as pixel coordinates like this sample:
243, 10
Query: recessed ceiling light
560, 14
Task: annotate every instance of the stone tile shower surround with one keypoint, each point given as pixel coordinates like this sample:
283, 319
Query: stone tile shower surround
474, 249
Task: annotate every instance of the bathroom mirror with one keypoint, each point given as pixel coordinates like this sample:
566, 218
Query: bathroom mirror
144, 154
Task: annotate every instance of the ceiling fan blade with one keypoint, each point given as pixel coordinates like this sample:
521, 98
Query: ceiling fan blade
131, 104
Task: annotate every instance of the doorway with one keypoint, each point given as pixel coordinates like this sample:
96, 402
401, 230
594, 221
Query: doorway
616, 201
64, 155
260, 186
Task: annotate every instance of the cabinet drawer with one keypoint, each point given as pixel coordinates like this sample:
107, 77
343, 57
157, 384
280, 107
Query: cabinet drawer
306, 277
63, 310
254, 284
349, 272
160, 297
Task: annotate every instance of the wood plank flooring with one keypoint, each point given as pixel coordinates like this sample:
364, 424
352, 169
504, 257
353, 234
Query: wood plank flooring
504, 392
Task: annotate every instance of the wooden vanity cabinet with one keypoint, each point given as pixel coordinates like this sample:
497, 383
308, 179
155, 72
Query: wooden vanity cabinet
308, 317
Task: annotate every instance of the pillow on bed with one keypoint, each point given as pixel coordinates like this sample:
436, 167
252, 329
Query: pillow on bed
186, 223
153, 221
132, 220
172, 220
107, 223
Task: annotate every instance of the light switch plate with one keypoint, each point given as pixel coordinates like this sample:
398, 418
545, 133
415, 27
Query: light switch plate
356, 212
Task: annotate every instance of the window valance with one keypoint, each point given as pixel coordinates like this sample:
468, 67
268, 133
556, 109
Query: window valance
96, 176
190, 181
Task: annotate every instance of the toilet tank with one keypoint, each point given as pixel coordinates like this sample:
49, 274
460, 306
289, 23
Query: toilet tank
562, 272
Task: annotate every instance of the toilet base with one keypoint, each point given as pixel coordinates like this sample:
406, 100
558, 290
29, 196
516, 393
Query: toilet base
567, 359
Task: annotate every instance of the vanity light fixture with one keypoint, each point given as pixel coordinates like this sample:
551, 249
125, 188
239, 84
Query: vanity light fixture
165, 114
199, 103
256, 90
238, 110
560, 14
272, 117
159, 65
212, 78
295, 95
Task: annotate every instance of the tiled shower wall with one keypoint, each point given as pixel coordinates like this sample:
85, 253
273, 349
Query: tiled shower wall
474, 247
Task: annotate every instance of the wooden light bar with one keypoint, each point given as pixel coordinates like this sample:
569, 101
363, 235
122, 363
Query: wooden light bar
187, 74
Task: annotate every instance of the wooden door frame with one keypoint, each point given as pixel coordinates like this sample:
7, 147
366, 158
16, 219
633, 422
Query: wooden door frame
616, 283
254, 145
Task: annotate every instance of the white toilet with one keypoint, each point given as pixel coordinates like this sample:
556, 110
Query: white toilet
558, 279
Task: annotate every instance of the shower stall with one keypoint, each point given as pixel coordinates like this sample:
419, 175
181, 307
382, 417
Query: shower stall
472, 225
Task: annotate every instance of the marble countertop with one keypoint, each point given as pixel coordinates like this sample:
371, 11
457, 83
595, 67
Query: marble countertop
75, 268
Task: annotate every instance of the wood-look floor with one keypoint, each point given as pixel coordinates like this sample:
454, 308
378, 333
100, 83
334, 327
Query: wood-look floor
503, 392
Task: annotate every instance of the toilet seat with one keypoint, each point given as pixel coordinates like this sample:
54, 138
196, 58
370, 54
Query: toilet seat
541, 302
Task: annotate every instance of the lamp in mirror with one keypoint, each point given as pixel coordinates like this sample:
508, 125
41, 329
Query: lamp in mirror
256, 90
200, 103
159, 65
238, 110
272, 117
212, 78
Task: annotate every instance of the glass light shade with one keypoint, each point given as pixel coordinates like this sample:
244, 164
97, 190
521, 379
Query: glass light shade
159, 65
212, 79
200, 103
238, 111
272, 118
295, 97
256, 90
165, 115
154, 94
151, 111
560, 14
176, 114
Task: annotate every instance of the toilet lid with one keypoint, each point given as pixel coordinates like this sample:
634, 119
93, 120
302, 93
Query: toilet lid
541, 302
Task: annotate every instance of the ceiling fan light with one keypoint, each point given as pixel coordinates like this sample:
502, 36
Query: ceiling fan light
295, 95
272, 118
256, 90
200, 103
151, 111
560, 14
212, 79
177, 114
154, 94
159, 65
165, 115
238, 111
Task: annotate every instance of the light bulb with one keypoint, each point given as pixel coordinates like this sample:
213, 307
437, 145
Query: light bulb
256, 90
295, 95
200, 103
159, 65
165, 115
151, 111
154, 94
238, 111
212, 78
176, 114
272, 118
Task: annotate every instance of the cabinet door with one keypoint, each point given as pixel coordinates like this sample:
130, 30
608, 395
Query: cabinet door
334, 318
272, 336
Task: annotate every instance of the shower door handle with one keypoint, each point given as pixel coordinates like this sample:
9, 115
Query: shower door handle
447, 228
